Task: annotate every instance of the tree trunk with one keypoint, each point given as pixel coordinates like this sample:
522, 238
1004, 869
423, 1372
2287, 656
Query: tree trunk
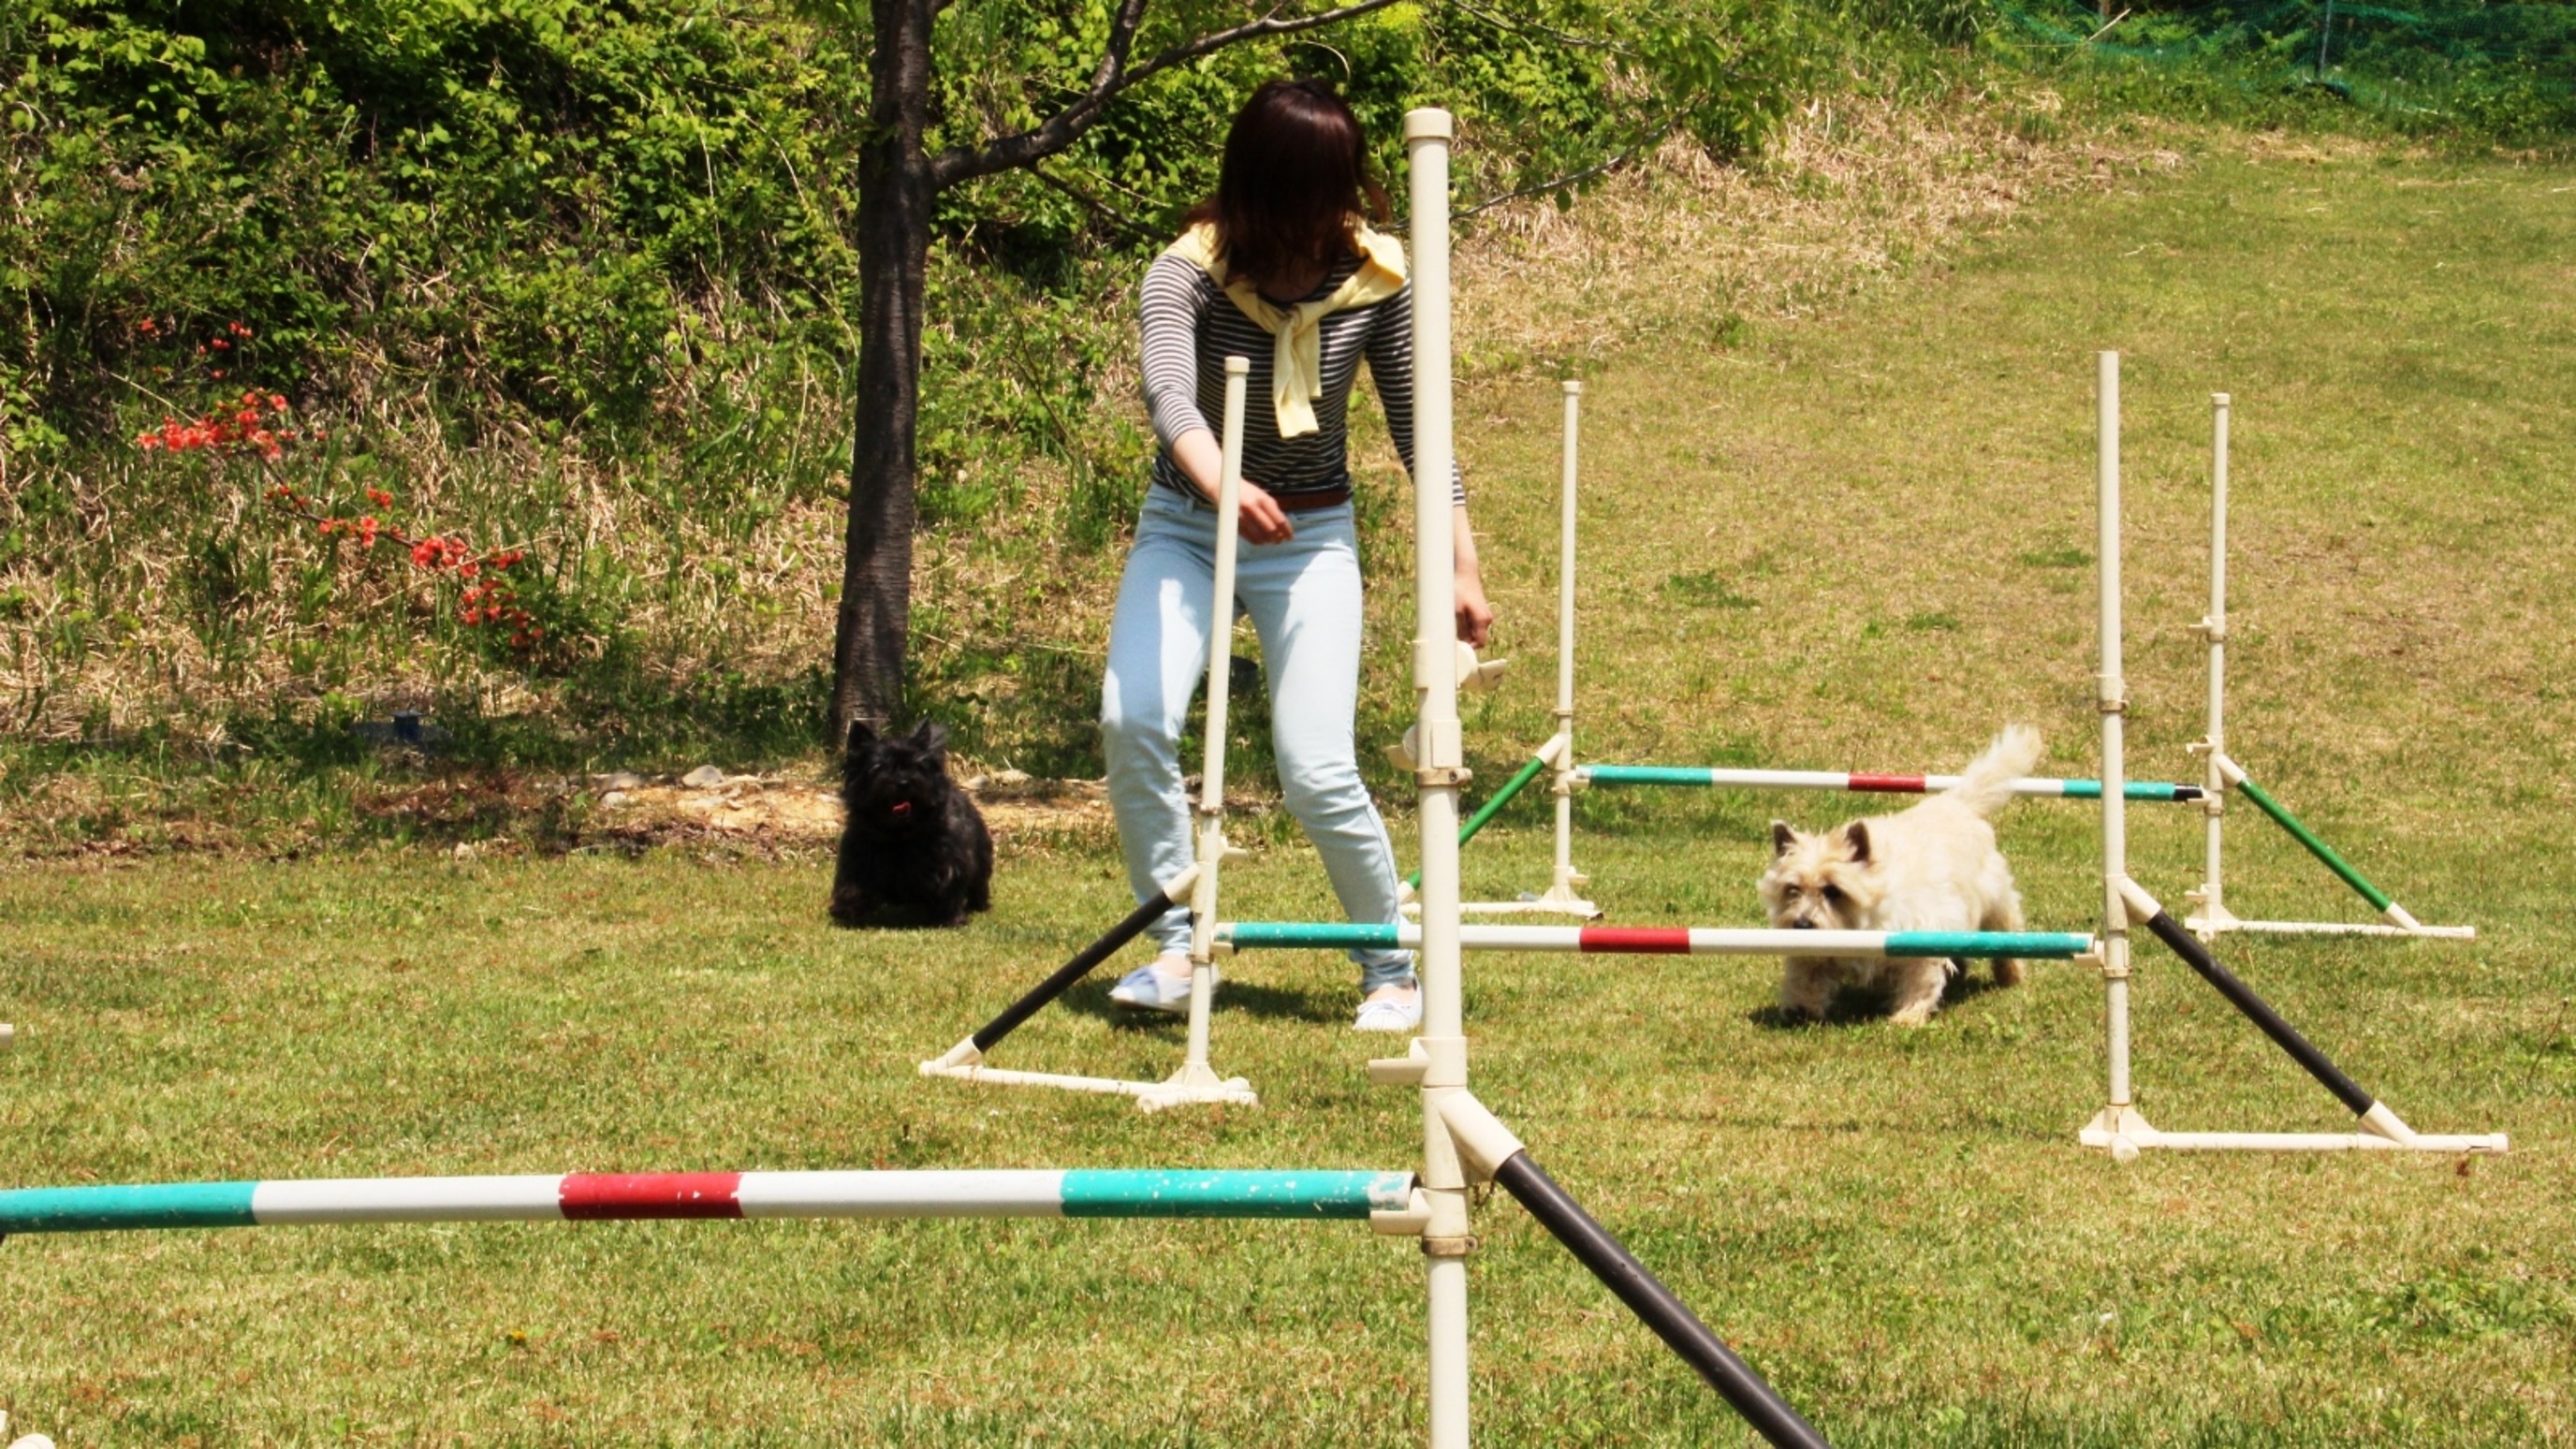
895, 197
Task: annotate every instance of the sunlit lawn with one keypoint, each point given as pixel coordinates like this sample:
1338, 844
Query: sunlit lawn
1861, 542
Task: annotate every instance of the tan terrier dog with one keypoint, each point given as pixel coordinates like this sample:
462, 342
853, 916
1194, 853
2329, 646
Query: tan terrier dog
1931, 868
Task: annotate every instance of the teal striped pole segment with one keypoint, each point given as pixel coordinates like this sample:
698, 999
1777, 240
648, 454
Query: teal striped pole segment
1662, 940
2135, 790
1715, 778
111, 1209
1319, 935
2378, 898
1646, 775
2057, 944
1485, 812
1101, 1193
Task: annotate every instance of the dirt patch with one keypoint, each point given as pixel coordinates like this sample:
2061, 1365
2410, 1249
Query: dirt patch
493, 812
789, 810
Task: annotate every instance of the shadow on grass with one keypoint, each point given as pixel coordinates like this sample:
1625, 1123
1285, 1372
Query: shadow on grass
1269, 1003
1863, 1006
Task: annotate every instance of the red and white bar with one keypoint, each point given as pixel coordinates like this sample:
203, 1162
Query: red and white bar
602, 1196
1864, 783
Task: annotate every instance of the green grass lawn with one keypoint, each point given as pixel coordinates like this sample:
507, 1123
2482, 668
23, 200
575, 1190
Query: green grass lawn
1858, 542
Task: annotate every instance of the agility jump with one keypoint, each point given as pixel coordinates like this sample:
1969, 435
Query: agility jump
2212, 918
1194, 888
1564, 893
2119, 1126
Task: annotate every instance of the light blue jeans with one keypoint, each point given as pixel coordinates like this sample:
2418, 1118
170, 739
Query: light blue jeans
1304, 599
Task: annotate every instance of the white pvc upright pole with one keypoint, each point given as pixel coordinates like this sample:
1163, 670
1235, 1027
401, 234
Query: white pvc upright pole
1196, 1081
1211, 812
1565, 891
2111, 699
1441, 769
2213, 907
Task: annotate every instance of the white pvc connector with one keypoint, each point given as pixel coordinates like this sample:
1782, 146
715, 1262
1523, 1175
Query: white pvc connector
1478, 676
964, 1054
2142, 906
1484, 1143
1405, 1222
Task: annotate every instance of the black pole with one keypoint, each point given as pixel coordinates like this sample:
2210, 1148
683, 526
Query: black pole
2260, 1012
1070, 972
1655, 1305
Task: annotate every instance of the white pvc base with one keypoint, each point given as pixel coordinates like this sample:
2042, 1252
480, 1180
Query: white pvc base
2126, 1134
2205, 930
2210, 929
1197, 1084
8, 1036
1190, 1084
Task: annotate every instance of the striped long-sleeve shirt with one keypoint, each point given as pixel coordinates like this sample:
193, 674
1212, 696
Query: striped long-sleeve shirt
1190, 328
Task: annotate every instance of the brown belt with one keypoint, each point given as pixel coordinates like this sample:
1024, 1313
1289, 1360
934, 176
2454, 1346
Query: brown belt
1309, 502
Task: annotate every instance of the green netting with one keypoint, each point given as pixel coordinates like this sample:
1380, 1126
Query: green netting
2496, 67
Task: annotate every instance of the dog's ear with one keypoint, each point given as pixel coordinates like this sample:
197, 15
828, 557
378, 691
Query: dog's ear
861, 737
1782, 837
1856, 839
931, 739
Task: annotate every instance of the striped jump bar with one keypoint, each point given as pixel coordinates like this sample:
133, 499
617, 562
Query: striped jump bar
600, 1197
1661, 940
1697, 777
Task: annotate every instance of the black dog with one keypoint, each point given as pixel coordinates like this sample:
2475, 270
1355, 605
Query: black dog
914, 845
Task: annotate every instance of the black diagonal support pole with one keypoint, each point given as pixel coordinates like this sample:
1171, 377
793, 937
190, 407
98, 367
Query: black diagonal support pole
2258, 1011
1655, 1305
1074, 970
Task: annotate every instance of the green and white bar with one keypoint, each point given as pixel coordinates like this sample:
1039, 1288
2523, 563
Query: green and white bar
2212, 917
1660, 940
1700, 777
2399, 921
1078, 1193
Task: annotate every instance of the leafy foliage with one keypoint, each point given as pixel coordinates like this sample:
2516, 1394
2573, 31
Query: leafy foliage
581, 273
2485, 70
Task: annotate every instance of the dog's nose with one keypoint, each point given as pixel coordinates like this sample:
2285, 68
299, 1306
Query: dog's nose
1802, 924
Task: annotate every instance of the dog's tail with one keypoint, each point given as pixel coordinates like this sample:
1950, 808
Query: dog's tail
1986, 785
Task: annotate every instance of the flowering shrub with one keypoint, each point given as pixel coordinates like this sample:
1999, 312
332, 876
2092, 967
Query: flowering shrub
256, 426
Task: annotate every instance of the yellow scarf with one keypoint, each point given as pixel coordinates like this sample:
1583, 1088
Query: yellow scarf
1297, 351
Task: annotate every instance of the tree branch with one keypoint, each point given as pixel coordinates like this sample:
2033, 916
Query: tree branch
1126, 225
1570, 178
1111, 77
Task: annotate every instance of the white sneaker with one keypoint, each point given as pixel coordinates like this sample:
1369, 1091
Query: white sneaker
1397, 1012
1147, 989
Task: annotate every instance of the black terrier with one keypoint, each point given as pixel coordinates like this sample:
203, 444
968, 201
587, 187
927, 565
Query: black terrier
914, 846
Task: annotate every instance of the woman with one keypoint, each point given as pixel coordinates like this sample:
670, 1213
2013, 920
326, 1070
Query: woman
1280, 268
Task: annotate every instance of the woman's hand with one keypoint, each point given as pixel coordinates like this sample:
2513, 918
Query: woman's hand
1261, 519
1475, 616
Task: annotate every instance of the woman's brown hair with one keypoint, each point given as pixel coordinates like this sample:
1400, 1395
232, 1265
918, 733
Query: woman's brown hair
1294, 180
